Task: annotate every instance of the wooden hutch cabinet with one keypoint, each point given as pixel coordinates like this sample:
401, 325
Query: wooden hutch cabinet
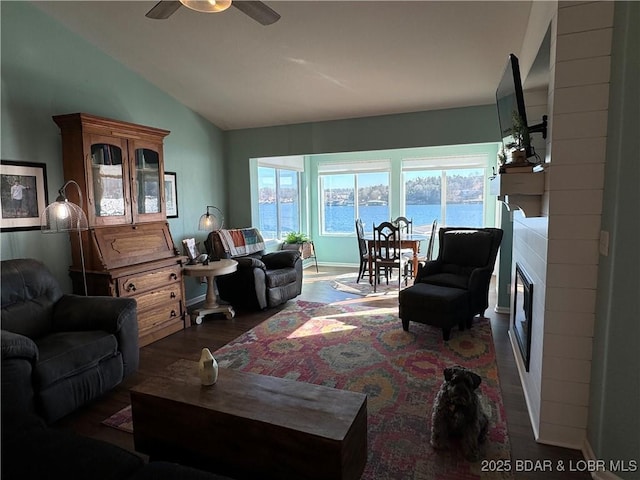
128, 249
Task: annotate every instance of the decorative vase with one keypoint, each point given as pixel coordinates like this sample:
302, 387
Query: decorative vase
208, 368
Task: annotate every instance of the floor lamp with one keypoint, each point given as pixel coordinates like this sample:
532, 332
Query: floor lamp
65, 216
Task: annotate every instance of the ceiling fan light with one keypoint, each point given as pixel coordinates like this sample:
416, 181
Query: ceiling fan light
207, 6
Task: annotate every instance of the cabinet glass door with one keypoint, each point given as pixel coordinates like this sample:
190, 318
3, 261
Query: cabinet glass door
148, 182
108, 174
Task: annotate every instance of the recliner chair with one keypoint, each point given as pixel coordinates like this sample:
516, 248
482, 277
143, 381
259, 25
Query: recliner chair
60, 351
263, 280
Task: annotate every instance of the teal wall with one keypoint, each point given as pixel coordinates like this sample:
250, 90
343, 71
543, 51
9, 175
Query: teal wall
614, 411
46, 71
457, 126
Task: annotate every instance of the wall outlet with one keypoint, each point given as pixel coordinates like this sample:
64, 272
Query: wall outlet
604, 243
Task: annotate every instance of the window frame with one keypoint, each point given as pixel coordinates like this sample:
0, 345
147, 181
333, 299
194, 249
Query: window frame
444, 165
354, 168
278, 168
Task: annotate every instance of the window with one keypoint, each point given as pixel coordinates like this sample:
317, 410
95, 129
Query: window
451, 190
361, 193
278, 201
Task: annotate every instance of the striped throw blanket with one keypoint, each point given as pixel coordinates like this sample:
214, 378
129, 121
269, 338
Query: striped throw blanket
241, 241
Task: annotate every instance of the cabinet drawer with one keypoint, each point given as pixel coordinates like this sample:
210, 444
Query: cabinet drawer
140, 282
170, 293
156, 317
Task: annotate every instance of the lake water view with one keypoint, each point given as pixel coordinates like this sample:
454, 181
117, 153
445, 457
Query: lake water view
341, 218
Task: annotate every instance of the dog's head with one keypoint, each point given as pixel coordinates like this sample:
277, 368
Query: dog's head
460, 385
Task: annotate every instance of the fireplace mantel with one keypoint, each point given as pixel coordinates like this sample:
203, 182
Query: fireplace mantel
520, 191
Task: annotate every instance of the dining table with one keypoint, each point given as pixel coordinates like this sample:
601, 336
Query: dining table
409, 241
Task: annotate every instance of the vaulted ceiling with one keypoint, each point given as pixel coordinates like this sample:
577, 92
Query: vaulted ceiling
323, 60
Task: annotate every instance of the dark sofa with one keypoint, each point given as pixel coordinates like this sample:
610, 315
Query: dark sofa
263, 280
60, 351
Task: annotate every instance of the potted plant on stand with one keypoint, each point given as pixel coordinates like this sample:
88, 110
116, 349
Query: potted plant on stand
302, 243
297, 241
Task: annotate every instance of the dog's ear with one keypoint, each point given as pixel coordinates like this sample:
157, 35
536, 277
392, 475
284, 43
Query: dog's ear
476, 379
449, 372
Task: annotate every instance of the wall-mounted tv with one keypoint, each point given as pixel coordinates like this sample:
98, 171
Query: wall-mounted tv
512, 114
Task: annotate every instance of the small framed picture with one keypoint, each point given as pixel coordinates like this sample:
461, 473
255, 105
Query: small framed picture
171, 194
23, 191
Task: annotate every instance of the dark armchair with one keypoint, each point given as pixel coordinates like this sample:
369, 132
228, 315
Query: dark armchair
60, 351
263, 280
453, 288
465, 260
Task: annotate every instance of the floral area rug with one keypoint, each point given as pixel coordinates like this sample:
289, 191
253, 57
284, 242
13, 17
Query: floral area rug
366, 350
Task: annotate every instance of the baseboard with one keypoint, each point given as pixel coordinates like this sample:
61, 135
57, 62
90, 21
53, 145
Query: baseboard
505, 310
598, 474
338, 264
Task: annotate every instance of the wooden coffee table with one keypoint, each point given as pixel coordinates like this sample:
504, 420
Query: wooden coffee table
251, 426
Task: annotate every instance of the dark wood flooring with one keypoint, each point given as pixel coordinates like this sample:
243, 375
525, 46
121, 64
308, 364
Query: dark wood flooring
217, 331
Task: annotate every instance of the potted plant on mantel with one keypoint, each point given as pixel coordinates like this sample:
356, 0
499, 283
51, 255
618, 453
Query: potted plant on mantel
298, 241
520, 134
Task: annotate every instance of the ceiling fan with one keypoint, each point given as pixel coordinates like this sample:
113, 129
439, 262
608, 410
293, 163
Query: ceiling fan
260, 12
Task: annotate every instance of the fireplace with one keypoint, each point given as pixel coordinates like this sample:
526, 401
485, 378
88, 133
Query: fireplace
522, 313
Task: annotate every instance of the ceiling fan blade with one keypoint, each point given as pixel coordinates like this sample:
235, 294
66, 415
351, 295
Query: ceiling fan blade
163, 9
260, 12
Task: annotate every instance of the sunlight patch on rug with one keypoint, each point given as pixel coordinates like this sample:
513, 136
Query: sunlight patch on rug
324, 324
318, 326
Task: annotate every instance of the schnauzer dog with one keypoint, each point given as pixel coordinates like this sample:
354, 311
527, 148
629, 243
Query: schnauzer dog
458, 413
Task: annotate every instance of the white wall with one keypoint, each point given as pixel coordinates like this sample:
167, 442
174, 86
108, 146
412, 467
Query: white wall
560, 250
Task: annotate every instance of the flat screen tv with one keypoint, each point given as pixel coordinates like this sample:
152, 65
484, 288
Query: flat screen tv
512, 114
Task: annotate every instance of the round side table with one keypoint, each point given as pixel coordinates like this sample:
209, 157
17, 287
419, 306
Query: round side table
211, 271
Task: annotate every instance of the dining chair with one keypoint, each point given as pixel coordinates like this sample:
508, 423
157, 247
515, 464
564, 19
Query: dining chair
429, 253
428, 256
405, 224
363, 250
406, 228
387, 254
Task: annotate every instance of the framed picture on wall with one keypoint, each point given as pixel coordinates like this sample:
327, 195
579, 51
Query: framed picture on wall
171, 194
23, 192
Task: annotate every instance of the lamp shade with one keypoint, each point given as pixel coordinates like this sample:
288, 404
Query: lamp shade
212, 220
207, 6
63, 216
